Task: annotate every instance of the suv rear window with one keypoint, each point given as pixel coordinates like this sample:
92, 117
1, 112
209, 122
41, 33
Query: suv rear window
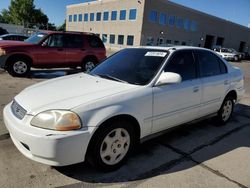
73, 41
95, 42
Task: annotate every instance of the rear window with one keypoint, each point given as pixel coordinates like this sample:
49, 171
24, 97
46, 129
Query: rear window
74, 41
95, 42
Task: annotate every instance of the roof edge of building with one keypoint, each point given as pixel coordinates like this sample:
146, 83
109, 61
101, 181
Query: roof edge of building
89, 3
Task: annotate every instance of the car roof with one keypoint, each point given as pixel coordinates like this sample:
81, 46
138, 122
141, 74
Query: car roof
66, 32
173, 48
7, 35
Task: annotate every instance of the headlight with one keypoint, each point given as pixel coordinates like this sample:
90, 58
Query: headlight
2, 52
60, 120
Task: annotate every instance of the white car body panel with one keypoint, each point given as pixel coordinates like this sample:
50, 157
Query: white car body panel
96, 100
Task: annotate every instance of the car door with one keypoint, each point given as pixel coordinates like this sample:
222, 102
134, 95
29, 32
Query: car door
51, 53
75, 50
175, 104
214, 79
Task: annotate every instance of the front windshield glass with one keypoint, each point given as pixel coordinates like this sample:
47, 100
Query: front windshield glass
36, 38
134, 66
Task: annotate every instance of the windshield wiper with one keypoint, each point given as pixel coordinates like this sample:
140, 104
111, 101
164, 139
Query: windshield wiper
107, 76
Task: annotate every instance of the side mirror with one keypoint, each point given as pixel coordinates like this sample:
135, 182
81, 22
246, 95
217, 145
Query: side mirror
44, 44
168, 78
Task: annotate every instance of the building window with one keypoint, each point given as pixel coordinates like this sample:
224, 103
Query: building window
132, 14
153, 16
150, 41
80, 17
168, 41
86, 17
123, 15
120, 39
70, 18
193, 26
75, 17
176, 42
163, 19
183, 43
179, 23
112, 39
106, 16
104, 38
171, 20
130, 40
186, 24
113, 15
98, 16
160, 42
92, 17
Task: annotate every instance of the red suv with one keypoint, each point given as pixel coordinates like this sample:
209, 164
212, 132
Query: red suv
52, 50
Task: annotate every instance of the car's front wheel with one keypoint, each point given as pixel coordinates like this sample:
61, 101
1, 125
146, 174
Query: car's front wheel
18, 67
111, 145
226, 110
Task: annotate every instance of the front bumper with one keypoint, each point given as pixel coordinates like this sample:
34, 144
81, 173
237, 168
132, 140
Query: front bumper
53, 148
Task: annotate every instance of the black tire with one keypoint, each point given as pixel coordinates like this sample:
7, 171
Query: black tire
18, 67
97, 144
221, 117
88, 62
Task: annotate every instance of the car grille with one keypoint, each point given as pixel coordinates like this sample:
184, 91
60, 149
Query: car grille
17, 110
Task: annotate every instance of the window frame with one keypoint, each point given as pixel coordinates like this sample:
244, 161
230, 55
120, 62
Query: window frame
216, 57
163, 15
155, 16
75, 18
113, 42
196, 63
105, 16
123, 17
122, 39
133, 37
70, 18
98, 16
79, 17
133, 14
113, 13
92, 17
86, 17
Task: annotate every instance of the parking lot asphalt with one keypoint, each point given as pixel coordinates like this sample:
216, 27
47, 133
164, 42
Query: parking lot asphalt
202, 154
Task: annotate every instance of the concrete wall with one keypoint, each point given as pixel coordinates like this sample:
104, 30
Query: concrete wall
118, 27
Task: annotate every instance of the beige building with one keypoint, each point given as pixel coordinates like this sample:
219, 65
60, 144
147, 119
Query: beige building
123, 23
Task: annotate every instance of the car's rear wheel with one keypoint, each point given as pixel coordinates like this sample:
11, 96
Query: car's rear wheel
236, 58
226, 110
111, 145
18, 67
88, 64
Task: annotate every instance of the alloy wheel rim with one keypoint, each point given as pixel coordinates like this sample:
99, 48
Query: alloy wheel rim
20, 67
115, 146
89, 66
227, 110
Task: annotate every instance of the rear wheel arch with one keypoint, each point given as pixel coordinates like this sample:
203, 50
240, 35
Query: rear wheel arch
89, 58
232, 94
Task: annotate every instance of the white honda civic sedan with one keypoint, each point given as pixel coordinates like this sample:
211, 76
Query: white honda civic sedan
130, 97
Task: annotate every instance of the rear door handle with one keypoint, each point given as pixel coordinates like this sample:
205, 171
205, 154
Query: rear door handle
196, 89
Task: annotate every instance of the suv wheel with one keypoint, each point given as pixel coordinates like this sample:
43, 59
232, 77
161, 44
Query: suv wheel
111, 145
88, 65
19, 67
226, 110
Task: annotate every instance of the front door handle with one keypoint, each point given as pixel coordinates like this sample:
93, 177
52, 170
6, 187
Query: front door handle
196, 89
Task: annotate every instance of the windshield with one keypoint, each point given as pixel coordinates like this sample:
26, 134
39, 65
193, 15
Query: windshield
36, 38
134, 66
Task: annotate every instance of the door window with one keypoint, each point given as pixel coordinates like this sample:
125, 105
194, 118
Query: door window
182, 63
210, 64
55, 41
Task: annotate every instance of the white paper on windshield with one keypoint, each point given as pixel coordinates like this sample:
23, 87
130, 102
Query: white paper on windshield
156, 54
40, 35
